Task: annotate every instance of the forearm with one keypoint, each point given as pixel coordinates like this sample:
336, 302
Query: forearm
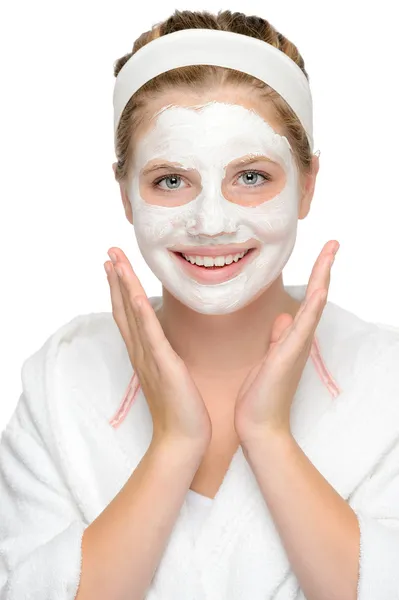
318, 529
124, 545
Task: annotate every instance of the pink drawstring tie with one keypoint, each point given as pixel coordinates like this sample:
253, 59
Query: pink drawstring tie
315, 355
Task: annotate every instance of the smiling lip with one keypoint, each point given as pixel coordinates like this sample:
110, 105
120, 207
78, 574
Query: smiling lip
216, 274
213, 251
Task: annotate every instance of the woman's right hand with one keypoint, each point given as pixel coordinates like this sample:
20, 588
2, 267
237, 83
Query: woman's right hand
177, 408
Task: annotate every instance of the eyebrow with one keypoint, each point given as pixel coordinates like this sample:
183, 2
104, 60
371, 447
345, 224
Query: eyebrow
249, 160
164, 166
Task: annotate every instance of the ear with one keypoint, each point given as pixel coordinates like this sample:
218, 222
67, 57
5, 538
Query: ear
125, 198
309, 187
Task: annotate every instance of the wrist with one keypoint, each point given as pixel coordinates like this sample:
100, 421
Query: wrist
179, 447
267, 439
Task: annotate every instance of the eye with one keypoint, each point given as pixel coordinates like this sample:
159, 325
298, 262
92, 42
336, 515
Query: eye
252, 178
172, 182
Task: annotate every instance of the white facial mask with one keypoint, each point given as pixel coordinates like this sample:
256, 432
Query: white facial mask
208, 139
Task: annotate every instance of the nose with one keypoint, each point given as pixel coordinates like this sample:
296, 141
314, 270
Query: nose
211, 218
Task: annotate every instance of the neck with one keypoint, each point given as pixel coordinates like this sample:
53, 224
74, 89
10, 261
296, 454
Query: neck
218, 344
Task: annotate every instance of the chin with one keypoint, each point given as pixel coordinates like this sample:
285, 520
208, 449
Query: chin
204, 304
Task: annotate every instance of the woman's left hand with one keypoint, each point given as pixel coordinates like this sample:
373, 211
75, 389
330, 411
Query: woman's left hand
264, 401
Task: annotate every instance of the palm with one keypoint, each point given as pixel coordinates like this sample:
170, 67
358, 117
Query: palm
246, 396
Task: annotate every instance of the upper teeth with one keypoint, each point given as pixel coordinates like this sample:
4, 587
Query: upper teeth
218, 261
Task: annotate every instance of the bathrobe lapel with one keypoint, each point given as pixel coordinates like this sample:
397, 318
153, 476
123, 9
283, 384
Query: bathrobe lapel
96, 461
239, 548
238, 553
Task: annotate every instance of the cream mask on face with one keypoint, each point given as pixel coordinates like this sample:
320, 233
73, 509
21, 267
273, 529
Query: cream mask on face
208, 139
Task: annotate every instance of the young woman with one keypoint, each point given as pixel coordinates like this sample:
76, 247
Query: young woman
234, 439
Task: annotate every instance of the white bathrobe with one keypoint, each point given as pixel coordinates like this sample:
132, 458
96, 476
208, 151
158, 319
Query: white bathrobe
78, 432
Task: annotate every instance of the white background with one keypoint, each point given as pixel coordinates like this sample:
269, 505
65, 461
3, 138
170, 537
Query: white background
60, 205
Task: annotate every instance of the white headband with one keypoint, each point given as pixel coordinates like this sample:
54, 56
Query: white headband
222, 49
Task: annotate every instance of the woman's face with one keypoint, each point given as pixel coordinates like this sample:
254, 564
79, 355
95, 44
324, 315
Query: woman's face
213, 176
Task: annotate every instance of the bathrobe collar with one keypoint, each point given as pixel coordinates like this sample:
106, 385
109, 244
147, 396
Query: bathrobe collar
238, 546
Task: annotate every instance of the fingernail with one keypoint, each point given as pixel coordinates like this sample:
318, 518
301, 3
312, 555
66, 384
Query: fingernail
112, 256
107, 268
336, 250
118, 271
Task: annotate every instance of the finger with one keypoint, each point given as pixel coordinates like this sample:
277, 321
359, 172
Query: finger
147, 332
118, 307
320, 275
131, 279
151, 333
299, 312
130, 290
123, 313
280, 327
131, 311
300, 336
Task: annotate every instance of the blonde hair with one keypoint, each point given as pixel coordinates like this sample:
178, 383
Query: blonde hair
204, 75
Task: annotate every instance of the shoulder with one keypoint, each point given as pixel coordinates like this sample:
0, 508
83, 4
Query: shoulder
358, 351
346, 338
85, 337
343, 327
84, 360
